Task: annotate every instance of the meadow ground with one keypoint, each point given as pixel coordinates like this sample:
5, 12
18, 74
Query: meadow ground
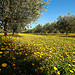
30, 54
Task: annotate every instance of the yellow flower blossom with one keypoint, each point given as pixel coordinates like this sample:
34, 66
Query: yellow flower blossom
33, 64
58, 73
13, 49
20, 53
1, 52
17, 53
25, 54
7, 52
41, 69
35, 70
43, 61
34, 53
2, 48
13, 65
0, 69
73, 65
40, 56
13, 58
71, 71
69, 65
24, 59
55, 68
46, 59
4, 64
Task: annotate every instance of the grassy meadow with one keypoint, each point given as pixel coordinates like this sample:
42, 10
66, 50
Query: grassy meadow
31, 54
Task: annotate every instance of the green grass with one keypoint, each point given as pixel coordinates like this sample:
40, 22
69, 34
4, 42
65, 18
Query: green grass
26, 54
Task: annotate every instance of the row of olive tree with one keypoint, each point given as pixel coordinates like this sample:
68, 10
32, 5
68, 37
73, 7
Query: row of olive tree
47, 28
64, 24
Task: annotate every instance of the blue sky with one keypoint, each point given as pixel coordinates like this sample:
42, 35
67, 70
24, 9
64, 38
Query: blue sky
56, 8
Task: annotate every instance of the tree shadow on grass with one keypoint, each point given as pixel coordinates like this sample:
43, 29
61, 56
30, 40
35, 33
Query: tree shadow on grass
19, 61
26, 63
0, 39
56, 35
67, 36
15, 35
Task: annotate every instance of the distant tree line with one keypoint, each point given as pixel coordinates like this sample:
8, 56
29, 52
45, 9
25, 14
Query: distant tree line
64, 24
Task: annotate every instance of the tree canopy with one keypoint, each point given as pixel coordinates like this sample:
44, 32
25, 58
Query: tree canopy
23, 11
65, 23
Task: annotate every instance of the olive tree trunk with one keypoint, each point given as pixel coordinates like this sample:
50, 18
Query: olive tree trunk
5, 27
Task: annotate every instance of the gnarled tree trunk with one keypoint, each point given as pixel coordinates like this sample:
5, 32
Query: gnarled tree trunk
5, 27
66, 32
13, 32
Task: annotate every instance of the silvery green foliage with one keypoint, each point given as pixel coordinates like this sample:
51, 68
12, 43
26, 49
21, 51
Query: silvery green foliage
22, 10
66, 23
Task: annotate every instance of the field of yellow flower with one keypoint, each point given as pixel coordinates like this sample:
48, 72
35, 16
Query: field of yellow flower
30, 54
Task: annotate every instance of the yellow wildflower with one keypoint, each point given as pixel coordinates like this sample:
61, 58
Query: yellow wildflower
33, 64
73, 65
0, 69
1, 52
19, 71
69, 65
35, 70
74, 52
20, 53
34, 53
24, 59
13, 58
13, 49
25, 54
40, 56
43, 61
2, 49
58, 73
4, 64
41, 69
13, 64
71, 71
73, 60
17, 53
46, 59
7, 51
55, 68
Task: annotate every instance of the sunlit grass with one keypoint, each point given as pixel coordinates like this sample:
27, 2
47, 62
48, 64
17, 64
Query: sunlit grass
37, 54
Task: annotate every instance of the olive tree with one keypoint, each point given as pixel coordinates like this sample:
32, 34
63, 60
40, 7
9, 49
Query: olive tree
21, 11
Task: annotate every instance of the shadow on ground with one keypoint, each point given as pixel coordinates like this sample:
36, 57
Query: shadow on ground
67, 36
15, 35
60, 35
19, 61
